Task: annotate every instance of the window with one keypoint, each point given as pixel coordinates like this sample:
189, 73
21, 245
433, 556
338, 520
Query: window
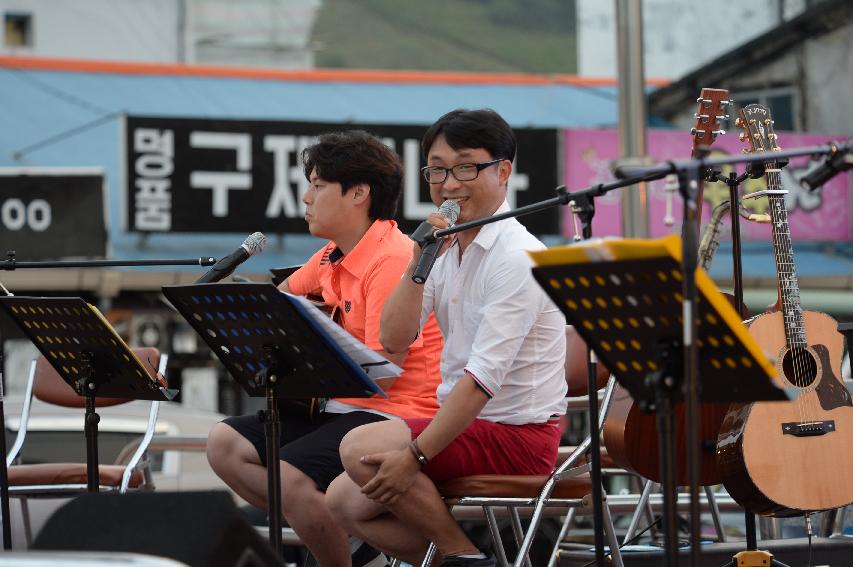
782, 103
18, 30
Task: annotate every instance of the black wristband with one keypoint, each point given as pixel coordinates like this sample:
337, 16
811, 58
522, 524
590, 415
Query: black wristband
416, 451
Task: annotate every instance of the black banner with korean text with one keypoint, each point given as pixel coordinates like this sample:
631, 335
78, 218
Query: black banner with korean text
214, 175
52, 213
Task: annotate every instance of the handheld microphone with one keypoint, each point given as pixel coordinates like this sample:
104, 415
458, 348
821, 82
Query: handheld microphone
254, 244
425, 236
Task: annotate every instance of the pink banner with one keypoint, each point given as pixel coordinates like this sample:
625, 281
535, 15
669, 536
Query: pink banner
823, 215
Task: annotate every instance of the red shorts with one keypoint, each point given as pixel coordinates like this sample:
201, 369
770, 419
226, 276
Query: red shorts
486, 447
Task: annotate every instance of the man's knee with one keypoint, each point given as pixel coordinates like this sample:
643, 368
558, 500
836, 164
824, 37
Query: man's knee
337, 498
225, 447
367, 440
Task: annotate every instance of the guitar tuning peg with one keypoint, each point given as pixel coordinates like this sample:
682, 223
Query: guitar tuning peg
745, 151
695, 131
716, 133
743, 136
725, 103
723, 117
738, 121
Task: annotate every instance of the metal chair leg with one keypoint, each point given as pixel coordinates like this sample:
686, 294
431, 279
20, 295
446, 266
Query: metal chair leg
638, 511
564, 530
610, 535
25, 516
500, 553
715, 514
518, 533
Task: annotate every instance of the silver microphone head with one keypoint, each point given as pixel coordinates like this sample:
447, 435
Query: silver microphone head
255, 243
449, 210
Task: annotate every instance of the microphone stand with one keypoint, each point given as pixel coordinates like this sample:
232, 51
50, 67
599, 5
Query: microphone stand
9, 264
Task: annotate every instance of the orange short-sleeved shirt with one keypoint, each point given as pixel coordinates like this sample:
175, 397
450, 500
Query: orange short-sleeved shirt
359, 283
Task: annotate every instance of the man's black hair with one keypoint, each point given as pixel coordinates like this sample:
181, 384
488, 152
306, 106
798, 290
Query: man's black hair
473, 129
353, 157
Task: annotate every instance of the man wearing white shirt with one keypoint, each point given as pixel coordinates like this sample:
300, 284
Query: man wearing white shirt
502, 364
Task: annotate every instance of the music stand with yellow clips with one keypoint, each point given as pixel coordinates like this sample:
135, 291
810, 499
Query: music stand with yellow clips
273, 347
624, 297
89, 355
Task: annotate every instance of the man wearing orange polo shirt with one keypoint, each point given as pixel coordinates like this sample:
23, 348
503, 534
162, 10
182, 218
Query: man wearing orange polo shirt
356, 183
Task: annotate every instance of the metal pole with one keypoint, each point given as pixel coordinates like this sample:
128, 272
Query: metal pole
632, 109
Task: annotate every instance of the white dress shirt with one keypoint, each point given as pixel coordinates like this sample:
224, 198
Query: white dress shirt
499, 326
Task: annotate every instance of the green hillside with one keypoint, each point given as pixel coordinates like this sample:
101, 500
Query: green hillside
532, 36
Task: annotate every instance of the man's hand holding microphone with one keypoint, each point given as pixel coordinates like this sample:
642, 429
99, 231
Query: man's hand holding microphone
429, 248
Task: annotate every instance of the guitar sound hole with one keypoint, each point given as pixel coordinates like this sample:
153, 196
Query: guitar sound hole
799, 367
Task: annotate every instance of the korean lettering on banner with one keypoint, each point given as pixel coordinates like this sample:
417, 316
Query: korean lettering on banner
818, 216
200, 175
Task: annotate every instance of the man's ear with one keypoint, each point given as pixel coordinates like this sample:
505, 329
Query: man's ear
505, 170
360, 193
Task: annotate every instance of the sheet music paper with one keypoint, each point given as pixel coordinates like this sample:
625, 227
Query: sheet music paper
374, 364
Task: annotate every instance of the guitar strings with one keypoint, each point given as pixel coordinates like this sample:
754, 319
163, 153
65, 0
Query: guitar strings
791, 317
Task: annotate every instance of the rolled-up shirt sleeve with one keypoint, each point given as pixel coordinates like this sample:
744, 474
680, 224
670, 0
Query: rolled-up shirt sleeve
513, 301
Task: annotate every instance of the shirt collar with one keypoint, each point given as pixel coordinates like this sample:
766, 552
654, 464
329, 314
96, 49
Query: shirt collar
485, 239
359, 257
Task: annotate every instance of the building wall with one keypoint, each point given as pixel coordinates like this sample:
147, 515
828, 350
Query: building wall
828, 69
248, 33
678, 35
127, 30
819, 74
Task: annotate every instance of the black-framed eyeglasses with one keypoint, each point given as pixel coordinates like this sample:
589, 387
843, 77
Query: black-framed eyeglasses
462, 172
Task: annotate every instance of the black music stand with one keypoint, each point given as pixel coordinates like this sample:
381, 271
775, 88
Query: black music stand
89, 355
625, 299
274, 345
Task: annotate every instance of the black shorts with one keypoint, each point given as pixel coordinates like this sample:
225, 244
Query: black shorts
311, 447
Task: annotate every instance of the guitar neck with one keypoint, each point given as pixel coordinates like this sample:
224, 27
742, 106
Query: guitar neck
789, 289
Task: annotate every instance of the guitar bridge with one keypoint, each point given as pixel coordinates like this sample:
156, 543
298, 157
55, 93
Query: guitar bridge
808, 429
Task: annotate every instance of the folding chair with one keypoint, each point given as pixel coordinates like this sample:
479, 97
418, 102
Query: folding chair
569, 486
61, 480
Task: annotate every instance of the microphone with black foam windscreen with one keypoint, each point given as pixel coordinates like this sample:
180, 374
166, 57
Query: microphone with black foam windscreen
841, 159
425, 236
254, 244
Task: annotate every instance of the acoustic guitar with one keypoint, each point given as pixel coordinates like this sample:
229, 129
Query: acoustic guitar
788, 458
630, 435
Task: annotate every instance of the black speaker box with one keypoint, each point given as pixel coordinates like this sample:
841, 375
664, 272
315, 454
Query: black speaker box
201, 529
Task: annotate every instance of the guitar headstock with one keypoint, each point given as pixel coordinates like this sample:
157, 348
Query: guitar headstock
757, 124
712, 106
